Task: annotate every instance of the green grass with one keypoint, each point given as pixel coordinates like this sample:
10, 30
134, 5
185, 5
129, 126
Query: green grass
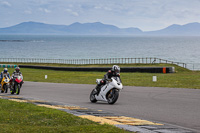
92, 65
27, 118
178, 80
183, 78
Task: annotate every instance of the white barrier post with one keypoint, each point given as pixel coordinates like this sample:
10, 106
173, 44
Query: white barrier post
154, 78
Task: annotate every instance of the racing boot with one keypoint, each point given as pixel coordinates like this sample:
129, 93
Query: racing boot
98, 88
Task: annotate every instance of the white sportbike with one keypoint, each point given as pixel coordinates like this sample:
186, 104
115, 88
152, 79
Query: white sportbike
109, 92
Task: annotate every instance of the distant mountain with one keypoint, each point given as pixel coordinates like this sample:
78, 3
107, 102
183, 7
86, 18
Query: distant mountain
33, 28
191, 29
97, 28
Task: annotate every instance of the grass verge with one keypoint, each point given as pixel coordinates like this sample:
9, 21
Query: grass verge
183, 78
26, 117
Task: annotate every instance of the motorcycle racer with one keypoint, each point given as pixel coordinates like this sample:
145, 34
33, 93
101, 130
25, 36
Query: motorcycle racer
16, 73
114, 72
4, 72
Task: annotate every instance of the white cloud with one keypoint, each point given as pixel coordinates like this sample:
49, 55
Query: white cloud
144, 14
72, 12
103, 7
28, 12
5, 3
107, 8
97, 7
45, 10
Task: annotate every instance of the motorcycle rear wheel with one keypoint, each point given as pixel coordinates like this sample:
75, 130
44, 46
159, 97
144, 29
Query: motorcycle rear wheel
92, 96
112, 98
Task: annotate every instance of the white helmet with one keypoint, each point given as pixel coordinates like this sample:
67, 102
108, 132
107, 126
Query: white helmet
116, 69
5, 70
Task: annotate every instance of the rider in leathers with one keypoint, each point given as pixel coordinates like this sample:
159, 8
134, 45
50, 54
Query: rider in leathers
15, 74
114, 72
4, 72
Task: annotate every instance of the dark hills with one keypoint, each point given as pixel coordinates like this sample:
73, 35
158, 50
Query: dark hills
191, 29
97, 28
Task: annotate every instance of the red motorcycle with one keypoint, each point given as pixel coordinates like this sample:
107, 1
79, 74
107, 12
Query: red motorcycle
16, 85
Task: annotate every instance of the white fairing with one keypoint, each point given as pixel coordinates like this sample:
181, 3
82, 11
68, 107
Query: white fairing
98, 81
114, 83
6, 80
19, 77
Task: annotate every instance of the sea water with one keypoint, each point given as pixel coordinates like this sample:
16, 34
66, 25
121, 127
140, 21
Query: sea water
184, 49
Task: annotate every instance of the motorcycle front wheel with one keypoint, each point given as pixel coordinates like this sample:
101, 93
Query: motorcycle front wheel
112, 96
12, 91
92, 96
18, 89
6, 88
3, 89
14, 88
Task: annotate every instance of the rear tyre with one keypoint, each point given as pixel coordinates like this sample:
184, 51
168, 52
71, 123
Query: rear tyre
112, 96
92, 96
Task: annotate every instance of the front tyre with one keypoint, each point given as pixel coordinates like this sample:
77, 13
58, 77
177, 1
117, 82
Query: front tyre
18, 89
112, 96
12, 88
6, 88
92, 96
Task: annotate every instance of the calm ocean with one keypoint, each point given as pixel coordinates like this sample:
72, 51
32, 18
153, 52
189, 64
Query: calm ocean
180, 49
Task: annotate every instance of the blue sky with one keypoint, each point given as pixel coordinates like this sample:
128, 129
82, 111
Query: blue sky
144, 14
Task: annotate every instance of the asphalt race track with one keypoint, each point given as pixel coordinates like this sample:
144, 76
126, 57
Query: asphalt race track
174, 106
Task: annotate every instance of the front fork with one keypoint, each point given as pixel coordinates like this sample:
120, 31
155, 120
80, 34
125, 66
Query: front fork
12, 86
112, 92
18, 86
